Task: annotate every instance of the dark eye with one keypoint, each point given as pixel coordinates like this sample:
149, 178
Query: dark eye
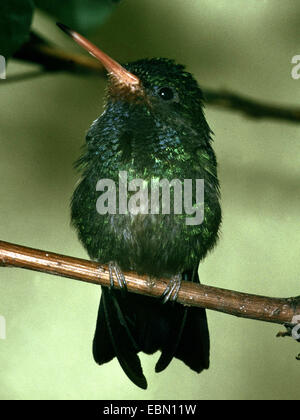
166, 93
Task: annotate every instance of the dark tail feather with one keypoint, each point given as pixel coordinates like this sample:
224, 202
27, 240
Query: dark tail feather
190, 342
193, 348
127, 325
169, 351
113, 338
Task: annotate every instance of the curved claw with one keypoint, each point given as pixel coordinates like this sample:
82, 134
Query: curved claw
174, 285
114, 269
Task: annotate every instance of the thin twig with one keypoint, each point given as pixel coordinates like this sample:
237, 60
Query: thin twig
252, 108
21, 77
52, 58
276, 310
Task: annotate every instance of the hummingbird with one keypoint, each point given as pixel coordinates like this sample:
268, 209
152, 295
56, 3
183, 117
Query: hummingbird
153, 127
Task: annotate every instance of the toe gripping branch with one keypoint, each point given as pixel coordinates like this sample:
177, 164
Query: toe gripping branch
115, 271
172, 287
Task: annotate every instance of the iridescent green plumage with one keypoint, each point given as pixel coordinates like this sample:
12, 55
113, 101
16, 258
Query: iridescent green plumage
160, 134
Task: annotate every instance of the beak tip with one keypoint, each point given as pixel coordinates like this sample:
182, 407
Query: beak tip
110, 65
64, 28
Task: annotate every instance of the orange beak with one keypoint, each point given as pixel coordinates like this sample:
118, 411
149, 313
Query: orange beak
122, 76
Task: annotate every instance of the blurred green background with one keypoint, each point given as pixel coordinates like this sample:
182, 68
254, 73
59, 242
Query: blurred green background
246, 46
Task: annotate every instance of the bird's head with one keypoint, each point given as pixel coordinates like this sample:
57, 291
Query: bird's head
158, 85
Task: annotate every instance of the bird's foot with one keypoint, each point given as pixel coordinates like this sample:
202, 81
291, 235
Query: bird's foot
114, 270
173, 286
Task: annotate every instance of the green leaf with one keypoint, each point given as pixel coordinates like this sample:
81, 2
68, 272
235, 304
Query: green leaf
15, 21
80, 15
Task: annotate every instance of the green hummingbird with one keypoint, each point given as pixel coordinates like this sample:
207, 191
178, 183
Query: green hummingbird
153, 127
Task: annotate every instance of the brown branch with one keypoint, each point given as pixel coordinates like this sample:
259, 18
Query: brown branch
276, 310
54, 59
